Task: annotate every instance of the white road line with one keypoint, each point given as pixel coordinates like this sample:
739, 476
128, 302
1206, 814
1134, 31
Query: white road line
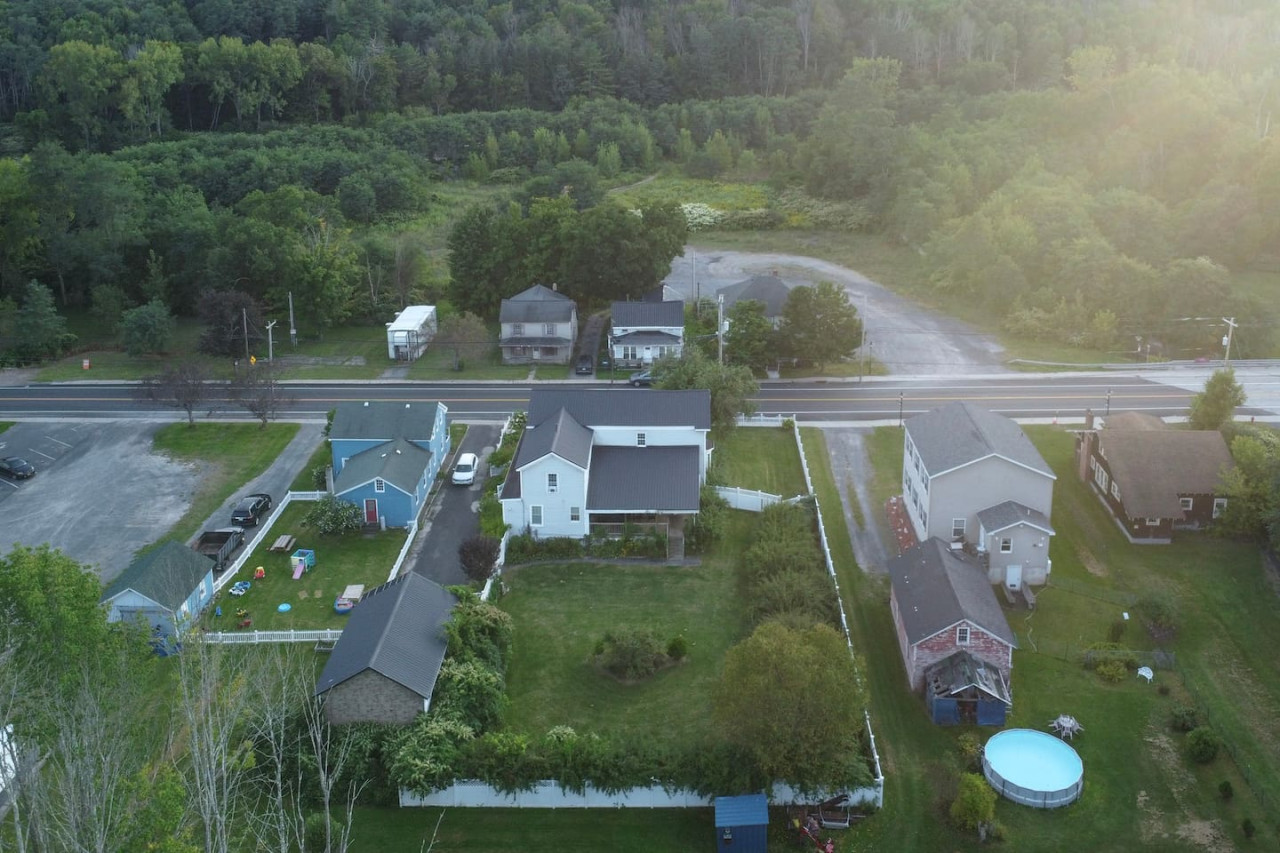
55, 441
7, 483
45, 455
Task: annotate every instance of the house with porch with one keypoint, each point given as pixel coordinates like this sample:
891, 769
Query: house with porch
166, 588
538, 326
386, 456
591, 457
385, 665
956, 644
1154, 480
643, 332
972, 478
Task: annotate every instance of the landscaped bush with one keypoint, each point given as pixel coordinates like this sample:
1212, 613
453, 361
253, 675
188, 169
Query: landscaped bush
1158, 616
1247, 827
501, 457
424, 758
334, 517
632, 543
504, 760
1225, 790
678, 648
1112, 671
975, 802
783, 569
1203, 744
1100, 653
970, 749
525, 549
797, 591
1184, 718
479, 555
631, 653
705, 529
320, 477
470, 691
491, 523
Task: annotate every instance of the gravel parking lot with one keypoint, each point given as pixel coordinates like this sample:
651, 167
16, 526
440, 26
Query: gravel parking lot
99, 493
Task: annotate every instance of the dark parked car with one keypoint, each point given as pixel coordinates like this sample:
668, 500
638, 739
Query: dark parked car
644, 377
250, 510
585, 365
17, 468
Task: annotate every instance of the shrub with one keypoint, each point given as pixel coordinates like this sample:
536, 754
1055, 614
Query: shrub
334, 517
1203, 744
147, 329
470, 691
525, 549
970, 749
320, 477
1225, 790
508, 175
1115, 632
1247, 827
1158, 616
1184, 718
678, 648
788, 425
802, 591
705, 529
1100, 653
975, 802
491, 523
1112, 671
1163, 690
478, 555
631, 653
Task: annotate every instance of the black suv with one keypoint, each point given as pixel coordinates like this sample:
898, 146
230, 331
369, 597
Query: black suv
250, 510
17, 468
586, 365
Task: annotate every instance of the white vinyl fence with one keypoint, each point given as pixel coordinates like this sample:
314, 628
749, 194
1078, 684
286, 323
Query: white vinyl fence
748, 499
551, 795
237, 638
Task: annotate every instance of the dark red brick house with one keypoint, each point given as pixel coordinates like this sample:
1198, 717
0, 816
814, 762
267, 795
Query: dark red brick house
956, 644
1154, 479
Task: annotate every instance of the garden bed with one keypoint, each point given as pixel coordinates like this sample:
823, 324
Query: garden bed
340, 561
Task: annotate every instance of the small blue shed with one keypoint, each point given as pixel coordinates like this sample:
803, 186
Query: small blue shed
742, 824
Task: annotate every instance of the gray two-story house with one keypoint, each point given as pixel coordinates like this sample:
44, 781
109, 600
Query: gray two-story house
972, 478
539, 326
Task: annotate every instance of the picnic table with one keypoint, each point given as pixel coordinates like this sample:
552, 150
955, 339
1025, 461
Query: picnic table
284, 542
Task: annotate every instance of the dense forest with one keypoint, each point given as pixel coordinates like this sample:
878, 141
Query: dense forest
1085, 170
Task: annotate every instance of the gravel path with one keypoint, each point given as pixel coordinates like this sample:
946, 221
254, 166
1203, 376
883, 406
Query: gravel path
852, 471
905, 337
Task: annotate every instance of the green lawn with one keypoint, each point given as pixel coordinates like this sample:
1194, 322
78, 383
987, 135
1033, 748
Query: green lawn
1140, 793
560, 611
340, 561
4, 425
320, 456
534, 830
232, 455
437, 363
760, 458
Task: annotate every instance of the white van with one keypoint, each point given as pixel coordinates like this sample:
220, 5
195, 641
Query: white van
464, 470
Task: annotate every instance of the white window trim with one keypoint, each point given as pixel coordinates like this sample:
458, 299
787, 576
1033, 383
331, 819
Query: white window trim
1153, 522
962, 635
549, 329
1187, 504
1006, 545
575, 513
641, 440
961, 525
535, 510
553, 483
517, 329
379, 485
1219, 506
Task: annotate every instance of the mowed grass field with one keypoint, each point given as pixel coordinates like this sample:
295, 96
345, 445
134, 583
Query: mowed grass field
761, 458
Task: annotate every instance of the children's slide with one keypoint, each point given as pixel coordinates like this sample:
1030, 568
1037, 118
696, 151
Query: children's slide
298, 570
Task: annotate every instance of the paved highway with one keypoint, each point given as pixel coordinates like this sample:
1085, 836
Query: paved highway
879, 399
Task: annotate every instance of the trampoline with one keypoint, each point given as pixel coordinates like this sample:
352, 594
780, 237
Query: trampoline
1033, 768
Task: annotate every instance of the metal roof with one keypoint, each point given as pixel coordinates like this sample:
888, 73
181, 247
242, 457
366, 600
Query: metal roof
746, 810
559, 434
380, 420
958, 434
666, 314
648, 337
644, 479
629, 407
538, 304
412, 318
397, 630
768, 289
167, 575
1006, 515
1153, 468
399, 462
937, 587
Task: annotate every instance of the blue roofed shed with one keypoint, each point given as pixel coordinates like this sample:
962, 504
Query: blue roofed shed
742, 824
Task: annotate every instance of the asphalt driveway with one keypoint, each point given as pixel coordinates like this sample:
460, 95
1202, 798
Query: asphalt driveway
454, 516
852, 470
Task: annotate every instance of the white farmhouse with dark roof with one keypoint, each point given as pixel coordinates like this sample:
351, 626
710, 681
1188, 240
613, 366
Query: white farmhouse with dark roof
643, 332
598, 456
972, 478
539, 325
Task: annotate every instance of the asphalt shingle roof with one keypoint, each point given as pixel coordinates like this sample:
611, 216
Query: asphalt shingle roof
628, 314
397, 630
960, 433
1153, 467
374, 420
644, 479
769, 289
538, 304
167, 575
937, 587
1006, 515
560, 434
399, 462
647, 337
629, 407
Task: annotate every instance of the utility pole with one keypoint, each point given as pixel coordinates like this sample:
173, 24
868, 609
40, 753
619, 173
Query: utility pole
720, 325
862, 342
899, 409
244, 318
271, 349
293, 328
1226, 340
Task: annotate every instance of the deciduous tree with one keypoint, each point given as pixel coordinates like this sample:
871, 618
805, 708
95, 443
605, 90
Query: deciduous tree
750, 339
257, 390
147, 329
1216, 404
731, 386
819, 324
466, 335
183, 385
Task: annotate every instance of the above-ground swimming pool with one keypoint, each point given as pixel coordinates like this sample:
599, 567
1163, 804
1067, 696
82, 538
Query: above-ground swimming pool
1033, 768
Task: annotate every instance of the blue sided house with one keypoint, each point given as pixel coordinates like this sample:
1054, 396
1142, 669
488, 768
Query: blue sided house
166, 588
386, 455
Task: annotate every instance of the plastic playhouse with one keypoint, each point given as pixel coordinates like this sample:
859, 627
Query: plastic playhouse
302, 560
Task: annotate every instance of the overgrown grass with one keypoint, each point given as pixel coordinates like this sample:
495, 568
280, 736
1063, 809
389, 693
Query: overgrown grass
230, 456
760, 458
562, 610
534, 830
1140, 793
340, 561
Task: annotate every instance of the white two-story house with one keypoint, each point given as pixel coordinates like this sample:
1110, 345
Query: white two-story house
644, 332
973, 479
539, 325
607, 456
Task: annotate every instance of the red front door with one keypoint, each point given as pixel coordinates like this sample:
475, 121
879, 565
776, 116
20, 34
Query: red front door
371, 511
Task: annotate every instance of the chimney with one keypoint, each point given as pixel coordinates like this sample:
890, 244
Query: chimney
1084, 449
1088, 418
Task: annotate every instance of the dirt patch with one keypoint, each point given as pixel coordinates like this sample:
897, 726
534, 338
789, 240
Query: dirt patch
1205, 834
1090, 562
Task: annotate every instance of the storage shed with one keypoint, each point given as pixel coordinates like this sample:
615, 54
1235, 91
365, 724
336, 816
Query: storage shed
742, 824
410, 332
